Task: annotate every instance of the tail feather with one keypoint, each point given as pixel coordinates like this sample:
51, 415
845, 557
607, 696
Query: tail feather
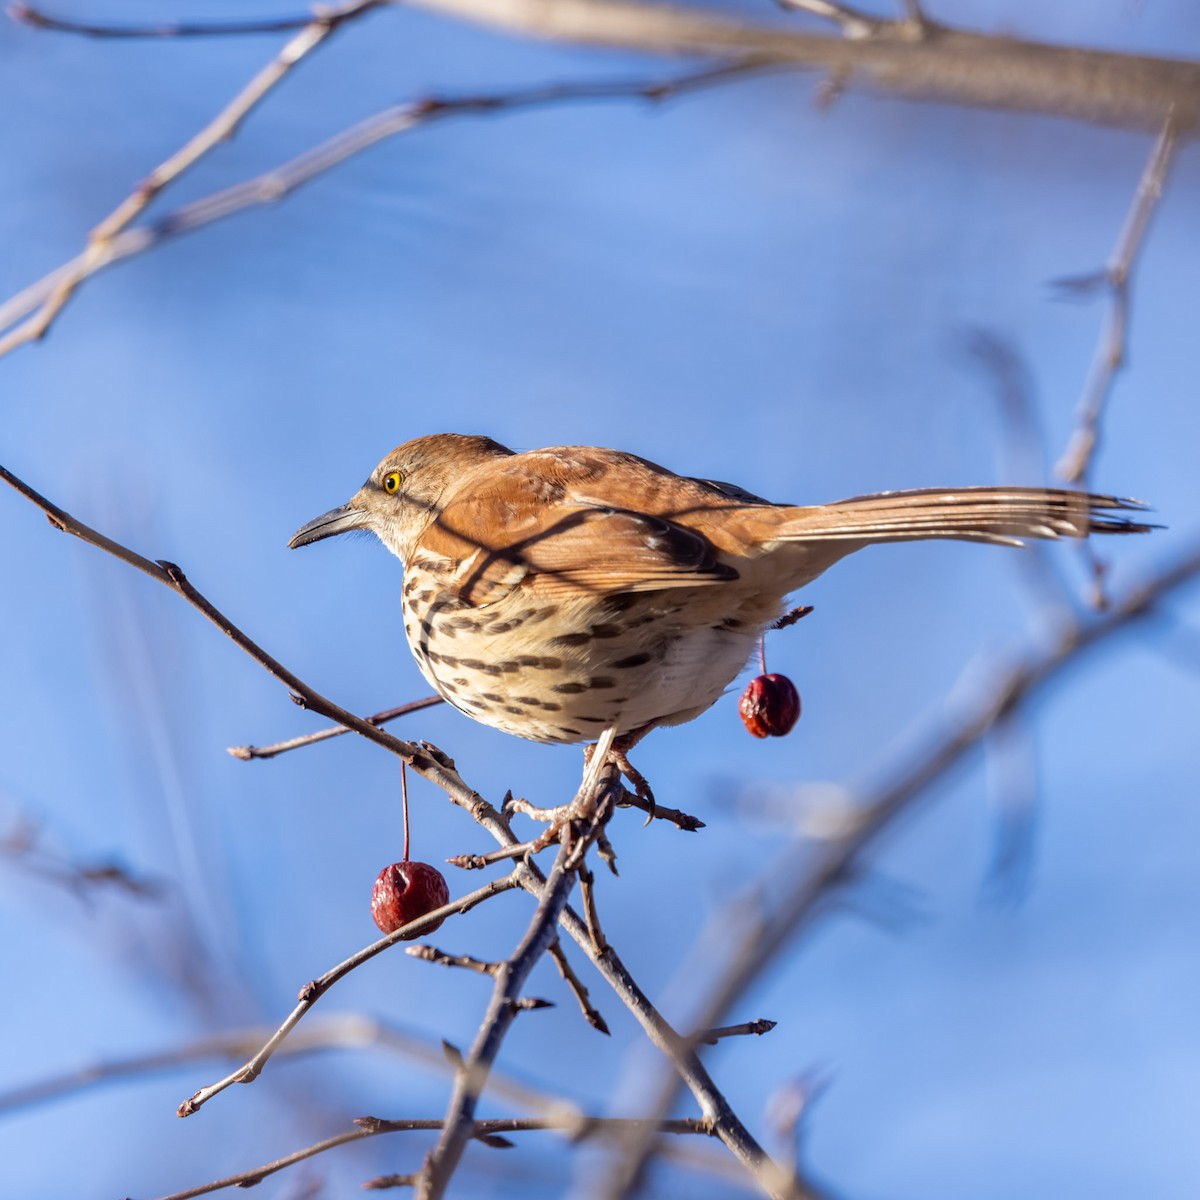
999, 515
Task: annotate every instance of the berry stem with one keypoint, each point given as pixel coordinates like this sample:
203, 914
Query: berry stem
762, 652
404, 805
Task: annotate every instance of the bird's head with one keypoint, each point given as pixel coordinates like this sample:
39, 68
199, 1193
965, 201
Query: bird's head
402, 495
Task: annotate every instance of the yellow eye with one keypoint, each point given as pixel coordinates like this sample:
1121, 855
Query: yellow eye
392, 481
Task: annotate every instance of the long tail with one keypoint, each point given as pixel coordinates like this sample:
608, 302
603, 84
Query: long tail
1000, 515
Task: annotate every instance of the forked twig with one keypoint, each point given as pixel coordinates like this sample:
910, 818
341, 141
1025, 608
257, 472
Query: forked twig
42, 302
101, 246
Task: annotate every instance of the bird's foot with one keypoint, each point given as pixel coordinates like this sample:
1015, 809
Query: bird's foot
591, 806
618, 756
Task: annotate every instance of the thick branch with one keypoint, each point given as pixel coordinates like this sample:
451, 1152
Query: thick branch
951, 66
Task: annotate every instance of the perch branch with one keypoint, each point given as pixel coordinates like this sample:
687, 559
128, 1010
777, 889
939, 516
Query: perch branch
423, 758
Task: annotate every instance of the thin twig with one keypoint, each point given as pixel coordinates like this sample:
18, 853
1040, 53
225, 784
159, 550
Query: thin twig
591, 1014
1075, 464
35, 17
434, 955
576, 1127
313, 991
245, 753
681, 1055
658, 812
475, 862
710, 1037
587, 889
333, 1033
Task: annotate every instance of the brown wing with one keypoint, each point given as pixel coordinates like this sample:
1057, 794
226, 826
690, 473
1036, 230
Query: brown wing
527, 530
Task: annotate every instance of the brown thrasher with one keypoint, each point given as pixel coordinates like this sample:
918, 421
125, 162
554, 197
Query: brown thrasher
577, 594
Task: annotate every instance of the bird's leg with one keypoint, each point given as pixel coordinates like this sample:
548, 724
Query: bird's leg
609, 751
619, 757
586, 802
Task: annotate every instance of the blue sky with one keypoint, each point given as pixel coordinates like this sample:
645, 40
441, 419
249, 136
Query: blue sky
736, 285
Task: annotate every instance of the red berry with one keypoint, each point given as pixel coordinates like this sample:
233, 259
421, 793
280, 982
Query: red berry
405, 891
770, 706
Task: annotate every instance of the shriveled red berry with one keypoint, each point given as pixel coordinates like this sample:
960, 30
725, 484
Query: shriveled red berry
405, 891
770, 706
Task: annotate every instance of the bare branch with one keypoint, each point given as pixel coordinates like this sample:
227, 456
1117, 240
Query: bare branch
577, 1128
46, 298
313, 991
955, 66
245, 753
591, 1014
342, 1031
475, 862
1110, 354
434, 955
27, 15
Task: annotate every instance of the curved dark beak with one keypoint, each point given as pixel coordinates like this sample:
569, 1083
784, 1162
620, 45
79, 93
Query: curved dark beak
337, 520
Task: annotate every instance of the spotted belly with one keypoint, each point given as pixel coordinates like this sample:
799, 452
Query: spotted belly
564, 672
